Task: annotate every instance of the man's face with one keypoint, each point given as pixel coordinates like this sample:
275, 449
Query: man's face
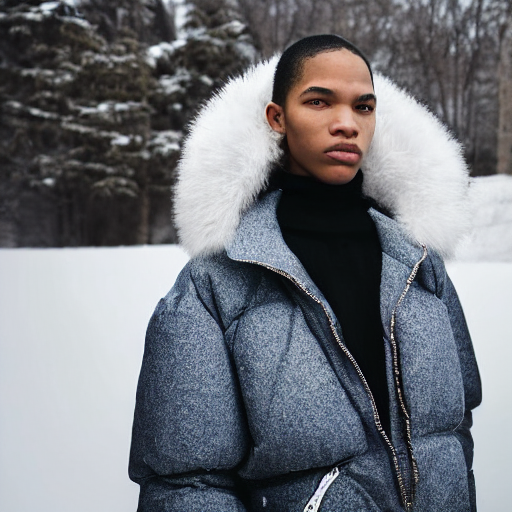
328, 117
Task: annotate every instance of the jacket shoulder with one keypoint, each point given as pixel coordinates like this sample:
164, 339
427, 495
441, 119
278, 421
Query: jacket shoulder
224, 287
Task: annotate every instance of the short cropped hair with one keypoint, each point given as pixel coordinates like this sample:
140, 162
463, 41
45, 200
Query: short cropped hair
291, 64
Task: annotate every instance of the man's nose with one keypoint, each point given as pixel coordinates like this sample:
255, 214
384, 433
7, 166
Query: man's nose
344, 123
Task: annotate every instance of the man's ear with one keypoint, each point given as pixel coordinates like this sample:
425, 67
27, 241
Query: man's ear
275, 117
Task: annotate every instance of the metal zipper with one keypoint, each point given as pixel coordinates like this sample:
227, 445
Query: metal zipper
397, 375
403, 492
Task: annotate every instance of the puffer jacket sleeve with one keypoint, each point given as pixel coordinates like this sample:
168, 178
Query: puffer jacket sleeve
470, 375
189, 429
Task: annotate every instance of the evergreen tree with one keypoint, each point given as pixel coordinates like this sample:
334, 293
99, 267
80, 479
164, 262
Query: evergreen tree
77, 151
148, 21
92, 120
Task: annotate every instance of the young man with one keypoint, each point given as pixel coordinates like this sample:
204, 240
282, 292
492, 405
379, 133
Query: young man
313, 354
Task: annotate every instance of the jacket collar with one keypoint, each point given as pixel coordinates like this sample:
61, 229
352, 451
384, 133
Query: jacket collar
414, 168
258, 240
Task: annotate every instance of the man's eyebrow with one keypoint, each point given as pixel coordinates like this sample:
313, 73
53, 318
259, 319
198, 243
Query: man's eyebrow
367, 97
318, 90
328, 92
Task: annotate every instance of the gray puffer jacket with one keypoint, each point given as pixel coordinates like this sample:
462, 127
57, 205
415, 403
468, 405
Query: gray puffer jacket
248, 398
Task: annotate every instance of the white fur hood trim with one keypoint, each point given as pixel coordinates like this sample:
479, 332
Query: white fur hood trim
414, 168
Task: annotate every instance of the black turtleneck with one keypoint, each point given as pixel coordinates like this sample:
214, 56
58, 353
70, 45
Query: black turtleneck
329, 229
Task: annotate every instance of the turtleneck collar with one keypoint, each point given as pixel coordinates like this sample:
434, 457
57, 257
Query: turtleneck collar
309, 205
306, 186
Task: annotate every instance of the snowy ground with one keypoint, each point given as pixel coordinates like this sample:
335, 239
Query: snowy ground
72, 325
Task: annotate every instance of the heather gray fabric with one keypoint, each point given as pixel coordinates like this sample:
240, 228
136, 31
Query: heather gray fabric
245, 400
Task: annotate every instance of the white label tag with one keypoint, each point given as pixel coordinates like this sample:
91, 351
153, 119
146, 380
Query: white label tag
314, 503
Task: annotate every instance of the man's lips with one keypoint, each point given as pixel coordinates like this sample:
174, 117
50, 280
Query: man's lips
345, 153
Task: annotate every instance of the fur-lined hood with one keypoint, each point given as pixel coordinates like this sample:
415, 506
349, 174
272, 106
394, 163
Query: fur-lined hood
414, 168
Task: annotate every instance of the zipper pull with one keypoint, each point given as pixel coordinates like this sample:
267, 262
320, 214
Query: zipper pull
314, 503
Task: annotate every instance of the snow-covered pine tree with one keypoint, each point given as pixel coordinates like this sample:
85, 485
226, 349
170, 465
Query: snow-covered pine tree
148, 21
214, 45
75, 131
92, 124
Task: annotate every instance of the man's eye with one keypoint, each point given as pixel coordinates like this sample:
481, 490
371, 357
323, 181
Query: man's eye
365, 108
317, 103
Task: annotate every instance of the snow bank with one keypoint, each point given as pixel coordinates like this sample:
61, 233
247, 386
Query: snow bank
491, 205
72, 326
